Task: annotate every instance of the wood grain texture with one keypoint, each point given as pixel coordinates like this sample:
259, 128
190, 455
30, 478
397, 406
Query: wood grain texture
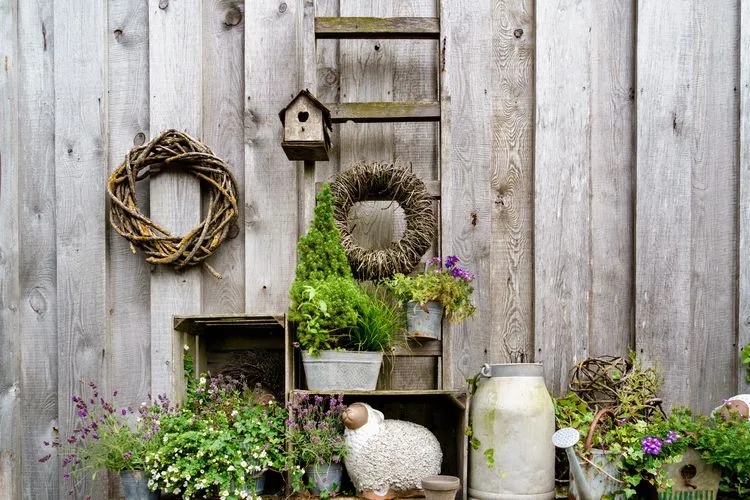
512, 181
686, 241
743, 319
175, 88
10, 340
37, 252
562, 180
80, 68
465, 183
271, 187
128, 291
612, 112
223, 115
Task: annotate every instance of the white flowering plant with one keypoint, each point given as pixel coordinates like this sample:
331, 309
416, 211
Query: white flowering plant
219, 442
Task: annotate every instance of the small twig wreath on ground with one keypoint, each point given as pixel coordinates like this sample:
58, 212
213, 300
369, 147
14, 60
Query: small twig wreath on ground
379, 181
173, 150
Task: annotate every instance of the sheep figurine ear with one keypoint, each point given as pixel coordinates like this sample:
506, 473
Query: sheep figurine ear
379, 417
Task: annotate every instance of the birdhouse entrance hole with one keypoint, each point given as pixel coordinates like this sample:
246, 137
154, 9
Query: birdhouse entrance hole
303, 116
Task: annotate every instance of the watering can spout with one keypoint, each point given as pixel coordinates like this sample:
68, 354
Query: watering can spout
566, 438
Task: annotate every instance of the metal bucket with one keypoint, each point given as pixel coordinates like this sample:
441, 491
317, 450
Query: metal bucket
342, 370
600, 474
424, 324
512, 415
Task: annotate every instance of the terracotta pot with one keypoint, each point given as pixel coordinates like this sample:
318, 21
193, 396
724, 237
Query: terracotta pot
440, 487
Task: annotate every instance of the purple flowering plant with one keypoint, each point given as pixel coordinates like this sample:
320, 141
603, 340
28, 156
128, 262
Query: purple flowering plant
315, 432
645, 448
107, 436
443, 281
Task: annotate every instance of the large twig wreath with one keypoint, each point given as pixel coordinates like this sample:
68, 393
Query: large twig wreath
384, 181
178, 151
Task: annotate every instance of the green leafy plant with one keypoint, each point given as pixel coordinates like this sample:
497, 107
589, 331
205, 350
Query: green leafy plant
315, 433
219, 442
443, 281
745, 360
106, 436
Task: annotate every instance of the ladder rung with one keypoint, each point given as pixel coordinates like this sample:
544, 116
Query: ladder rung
369, 112
378, 27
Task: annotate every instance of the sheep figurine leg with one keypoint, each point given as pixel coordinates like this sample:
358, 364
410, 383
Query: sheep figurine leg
388, 458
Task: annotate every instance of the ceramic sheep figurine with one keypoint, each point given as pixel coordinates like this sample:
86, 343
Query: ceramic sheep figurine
388, 458
739, 403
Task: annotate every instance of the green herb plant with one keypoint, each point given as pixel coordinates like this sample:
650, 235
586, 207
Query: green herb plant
442, 281
745, 360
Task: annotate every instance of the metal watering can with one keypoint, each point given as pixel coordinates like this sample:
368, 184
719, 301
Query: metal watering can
566, 438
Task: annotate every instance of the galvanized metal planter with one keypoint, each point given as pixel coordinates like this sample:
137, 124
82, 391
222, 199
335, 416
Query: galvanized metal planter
342, 370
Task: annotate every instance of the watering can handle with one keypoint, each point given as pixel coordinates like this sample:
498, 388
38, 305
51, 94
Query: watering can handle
486, 371
592, 427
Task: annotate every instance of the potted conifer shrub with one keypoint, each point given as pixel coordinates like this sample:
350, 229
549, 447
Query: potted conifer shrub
342, 329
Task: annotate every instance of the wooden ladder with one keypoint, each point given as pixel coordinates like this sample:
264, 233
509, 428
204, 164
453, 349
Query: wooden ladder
388, 28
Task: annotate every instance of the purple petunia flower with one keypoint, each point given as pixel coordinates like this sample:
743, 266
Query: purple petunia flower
651, 445
672, 436
451, 261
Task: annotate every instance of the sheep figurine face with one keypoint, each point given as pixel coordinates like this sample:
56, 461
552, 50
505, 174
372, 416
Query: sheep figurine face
388, 458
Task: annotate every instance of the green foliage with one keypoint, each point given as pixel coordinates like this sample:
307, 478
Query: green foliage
572, 411
444, 282
325, 311
724, 442
218, 442
108, 437
315, 432
319, 253
745, 360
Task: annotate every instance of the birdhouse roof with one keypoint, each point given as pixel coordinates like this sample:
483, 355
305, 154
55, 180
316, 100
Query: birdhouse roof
326, 112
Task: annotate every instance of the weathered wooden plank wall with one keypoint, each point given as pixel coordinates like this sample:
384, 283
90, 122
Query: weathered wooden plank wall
80, 78
686, 205
511, 178
10, 341
743, 319
597, 184
582, 189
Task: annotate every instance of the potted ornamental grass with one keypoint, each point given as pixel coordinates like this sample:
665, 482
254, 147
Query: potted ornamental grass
111, 437
443, 289
317, 447
221, 443
343, 328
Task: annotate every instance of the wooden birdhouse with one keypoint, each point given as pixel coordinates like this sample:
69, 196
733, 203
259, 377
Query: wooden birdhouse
307, 126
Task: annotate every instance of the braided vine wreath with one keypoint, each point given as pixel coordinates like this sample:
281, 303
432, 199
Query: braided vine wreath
173, 150
378, 181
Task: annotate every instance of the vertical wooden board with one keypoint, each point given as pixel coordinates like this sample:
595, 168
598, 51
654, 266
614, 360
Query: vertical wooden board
612, 105
80, 68
743, 320
511, 177
10, 342
223, 113
327, 85
562, 180
37, 257
465, 181
128, 317
270, 179
685, 235
175, 88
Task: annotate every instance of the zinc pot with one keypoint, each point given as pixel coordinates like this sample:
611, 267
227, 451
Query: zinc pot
342, 370
601, 475
135, 485
324, 477
513, 419
424, 321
